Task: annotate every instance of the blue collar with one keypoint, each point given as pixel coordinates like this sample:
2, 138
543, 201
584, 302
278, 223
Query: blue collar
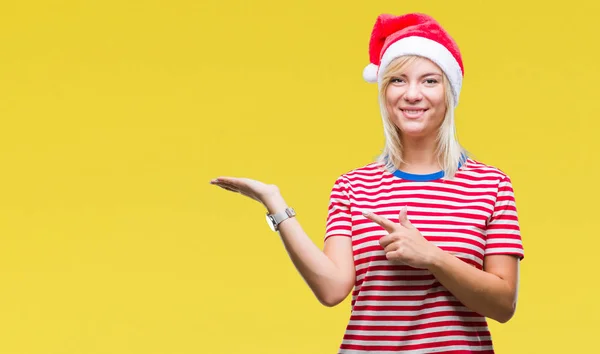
425, 177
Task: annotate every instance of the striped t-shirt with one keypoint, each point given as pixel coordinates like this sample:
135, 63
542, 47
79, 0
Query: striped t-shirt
399, 309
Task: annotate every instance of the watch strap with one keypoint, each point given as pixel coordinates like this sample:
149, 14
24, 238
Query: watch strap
279, 217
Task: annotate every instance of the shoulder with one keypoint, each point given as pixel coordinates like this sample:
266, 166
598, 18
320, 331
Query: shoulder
369, 172
480, 170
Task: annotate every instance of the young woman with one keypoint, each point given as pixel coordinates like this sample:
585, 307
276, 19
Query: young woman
426, 238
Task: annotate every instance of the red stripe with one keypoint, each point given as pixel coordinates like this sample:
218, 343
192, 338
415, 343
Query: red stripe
421, 316
497, 226
407, 307
394, 187
390, 328
403, 287
440, 334
400, 205
440, 219
400, 298
473, 218
439, 344
393, 268
424, 197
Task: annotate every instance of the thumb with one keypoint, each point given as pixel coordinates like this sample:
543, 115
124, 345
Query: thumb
403, 218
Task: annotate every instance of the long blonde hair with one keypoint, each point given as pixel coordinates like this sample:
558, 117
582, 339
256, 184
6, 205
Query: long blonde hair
450, 154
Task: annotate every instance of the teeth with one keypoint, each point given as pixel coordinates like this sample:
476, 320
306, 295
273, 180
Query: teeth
413, 112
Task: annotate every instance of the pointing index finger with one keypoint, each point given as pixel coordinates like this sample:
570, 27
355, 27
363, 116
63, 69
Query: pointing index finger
388, 225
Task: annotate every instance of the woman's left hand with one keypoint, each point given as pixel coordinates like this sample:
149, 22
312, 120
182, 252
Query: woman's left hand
404, 244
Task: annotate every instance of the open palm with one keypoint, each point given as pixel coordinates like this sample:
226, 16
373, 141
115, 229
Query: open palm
254, 189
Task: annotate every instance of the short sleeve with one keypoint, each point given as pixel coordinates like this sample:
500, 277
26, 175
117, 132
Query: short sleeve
339, 219
503, 231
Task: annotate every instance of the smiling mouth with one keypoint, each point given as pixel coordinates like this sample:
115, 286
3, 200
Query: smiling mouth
413, 113
413, 110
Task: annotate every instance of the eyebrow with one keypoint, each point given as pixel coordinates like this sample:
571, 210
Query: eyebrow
424, 75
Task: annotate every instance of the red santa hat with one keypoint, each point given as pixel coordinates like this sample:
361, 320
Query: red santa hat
413, 34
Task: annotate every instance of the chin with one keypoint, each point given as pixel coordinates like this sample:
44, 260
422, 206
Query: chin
413, 133
412, 128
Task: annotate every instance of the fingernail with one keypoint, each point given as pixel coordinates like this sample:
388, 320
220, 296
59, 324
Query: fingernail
365, 213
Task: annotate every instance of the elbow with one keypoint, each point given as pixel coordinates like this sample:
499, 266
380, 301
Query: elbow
332, 293
333, 296
506, 313
504, 318
331, 300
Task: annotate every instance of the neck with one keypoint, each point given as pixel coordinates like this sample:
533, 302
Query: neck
419, 156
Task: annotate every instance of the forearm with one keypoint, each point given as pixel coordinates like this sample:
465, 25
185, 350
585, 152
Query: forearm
480, 291
329, 283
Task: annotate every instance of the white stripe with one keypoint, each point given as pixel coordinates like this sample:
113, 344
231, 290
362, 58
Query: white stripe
401, 292
424, 220
359, 191
389, 180
339, 209
339, 223
431, 300
492, 251
502, 232
387, 263
505, 203
369, 254
399, 282
376, 312
480, 172
365, 332
452, 348
506, 221
373, 243
459, 236
495, 241
374, 183
456, 235
373, 205
416, 322
462, 245
375, 233
437, 299
416, 341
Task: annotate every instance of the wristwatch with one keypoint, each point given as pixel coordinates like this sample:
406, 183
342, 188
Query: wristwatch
275, 219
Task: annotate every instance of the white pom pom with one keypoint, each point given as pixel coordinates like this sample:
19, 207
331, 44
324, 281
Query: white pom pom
370, 73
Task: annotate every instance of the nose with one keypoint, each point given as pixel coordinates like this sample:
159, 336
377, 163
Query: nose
413, 93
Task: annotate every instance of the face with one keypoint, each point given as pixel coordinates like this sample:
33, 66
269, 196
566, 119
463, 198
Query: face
415, 99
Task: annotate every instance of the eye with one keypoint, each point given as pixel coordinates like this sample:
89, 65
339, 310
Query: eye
396, 80
431, 81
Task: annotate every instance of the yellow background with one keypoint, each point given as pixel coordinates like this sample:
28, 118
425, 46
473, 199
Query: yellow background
116, 114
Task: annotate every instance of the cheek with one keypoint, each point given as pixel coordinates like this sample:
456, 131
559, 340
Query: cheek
392, 94
389, 101
438, 100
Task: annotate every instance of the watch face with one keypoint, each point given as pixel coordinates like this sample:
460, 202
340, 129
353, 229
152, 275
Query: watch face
270, 223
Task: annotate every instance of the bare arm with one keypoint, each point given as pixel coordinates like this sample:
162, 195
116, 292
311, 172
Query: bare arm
491, 292
329, 273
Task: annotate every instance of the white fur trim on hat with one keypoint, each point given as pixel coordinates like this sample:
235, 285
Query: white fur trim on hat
429, 49
370, 73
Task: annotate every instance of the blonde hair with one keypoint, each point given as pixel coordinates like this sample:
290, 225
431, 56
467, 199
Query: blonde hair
450, 154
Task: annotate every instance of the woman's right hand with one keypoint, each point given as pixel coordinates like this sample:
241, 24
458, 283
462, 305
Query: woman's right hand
254, 189
329, 273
